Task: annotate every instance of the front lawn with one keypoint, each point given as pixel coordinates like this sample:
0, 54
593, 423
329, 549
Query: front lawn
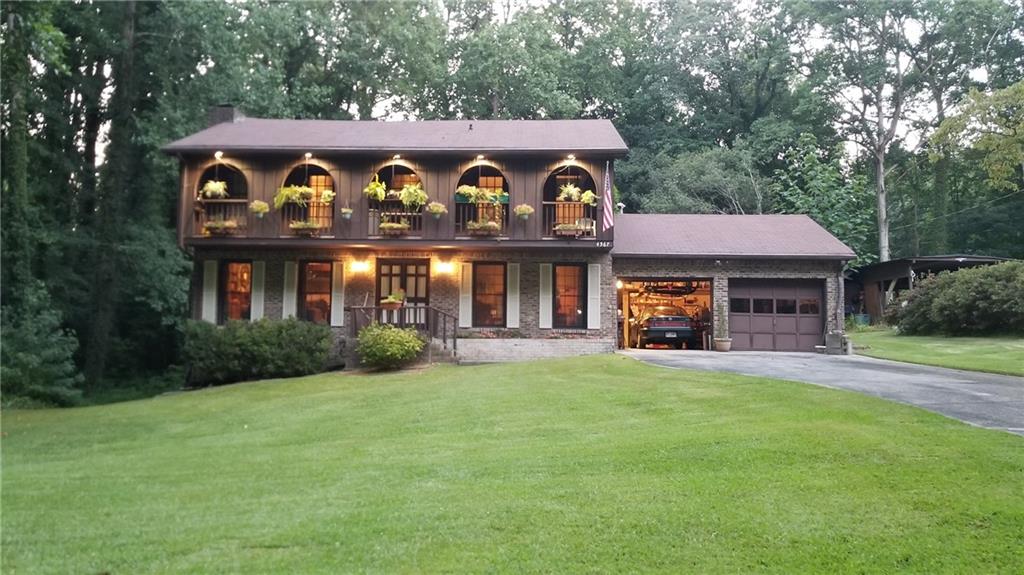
595, 464
991, 354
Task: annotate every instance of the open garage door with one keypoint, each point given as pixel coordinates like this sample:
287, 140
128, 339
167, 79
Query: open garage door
664, 313
776, 314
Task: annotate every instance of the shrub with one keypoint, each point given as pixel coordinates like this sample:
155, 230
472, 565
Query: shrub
971, 301
242, 350
385, 346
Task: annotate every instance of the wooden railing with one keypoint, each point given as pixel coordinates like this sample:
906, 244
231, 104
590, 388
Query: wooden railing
569, 219
482, 212
394, 211
316, 212
436, 326
222, 211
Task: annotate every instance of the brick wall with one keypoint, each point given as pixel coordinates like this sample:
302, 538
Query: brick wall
493, 350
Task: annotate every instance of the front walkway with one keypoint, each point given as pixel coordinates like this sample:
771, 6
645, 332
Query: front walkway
982, 399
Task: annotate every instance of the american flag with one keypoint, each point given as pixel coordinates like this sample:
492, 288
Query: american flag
606, 198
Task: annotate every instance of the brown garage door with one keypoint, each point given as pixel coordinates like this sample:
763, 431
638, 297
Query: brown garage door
775, 314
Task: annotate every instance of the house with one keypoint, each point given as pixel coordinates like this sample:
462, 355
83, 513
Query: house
553, 282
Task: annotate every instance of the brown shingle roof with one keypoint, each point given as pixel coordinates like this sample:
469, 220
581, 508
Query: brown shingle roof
440, 136
713, 235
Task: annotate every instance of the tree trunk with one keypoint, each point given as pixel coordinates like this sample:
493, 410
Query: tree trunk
881, 195
115, 183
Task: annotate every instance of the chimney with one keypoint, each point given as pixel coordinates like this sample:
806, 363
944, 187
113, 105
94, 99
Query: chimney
222, 113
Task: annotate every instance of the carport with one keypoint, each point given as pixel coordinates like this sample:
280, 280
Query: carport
770, 282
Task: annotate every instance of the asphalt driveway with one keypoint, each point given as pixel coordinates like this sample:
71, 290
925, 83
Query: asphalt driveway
985, 400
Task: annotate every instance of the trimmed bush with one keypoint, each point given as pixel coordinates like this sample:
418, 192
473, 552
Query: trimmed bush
385, 346
971, 301
242, 350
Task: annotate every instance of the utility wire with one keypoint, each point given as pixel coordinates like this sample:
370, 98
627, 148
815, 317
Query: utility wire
946, 215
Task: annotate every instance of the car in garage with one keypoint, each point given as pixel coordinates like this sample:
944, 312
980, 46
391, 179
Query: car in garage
668, 325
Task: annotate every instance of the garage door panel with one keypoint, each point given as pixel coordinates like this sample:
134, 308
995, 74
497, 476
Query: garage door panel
785, 324
740, 323
761, 324
786, 342
765, 341
785, 314
809, 325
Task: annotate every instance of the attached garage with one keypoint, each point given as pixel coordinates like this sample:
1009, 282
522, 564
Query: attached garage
775, 280
776, 314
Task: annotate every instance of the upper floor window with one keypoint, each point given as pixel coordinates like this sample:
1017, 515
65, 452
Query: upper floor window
489, 294
570, 295
396, 198
482, 201
570, 203
236, 292
312, 212
315, 292
222, 182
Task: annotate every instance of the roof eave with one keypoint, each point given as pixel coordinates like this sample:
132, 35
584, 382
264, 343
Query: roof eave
838, 257
173, 149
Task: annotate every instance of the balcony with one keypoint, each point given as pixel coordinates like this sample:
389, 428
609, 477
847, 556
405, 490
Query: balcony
569, 220
483, 219
391, 218
313, 219
221, 218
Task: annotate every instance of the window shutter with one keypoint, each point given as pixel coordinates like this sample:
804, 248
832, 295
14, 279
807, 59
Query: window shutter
466, 296
545, 296
512, 295
594, 296
209, 309
259, 271
338, 294
291, 287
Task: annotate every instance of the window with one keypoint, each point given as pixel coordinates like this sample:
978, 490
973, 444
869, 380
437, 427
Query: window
739, 305
236, 292
809, 306
763, 305
786, 306
315, 292
488, 295
570, 296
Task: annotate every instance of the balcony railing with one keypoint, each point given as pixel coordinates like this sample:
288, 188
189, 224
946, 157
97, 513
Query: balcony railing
318, 215
469, 217
221, 217
569, 219
399, 220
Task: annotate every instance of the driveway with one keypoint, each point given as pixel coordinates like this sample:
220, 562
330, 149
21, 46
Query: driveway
985, 400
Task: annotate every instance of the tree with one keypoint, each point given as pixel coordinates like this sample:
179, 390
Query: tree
815, 185
716, 180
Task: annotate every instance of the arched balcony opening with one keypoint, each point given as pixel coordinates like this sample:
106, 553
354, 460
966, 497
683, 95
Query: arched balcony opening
306, 201
570, 203
222, 195
396, 198
482, 202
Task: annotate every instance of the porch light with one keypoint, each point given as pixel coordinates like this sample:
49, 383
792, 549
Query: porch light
571, 157
396, 157
360, 266
309, 155
480, 156
218, 154
445, 268
618, 284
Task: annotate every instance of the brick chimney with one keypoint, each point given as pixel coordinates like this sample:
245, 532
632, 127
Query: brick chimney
223, 113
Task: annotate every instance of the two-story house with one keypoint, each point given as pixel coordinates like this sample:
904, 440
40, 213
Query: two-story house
496, 233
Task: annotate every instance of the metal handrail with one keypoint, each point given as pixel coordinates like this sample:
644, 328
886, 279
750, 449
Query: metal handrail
433, 323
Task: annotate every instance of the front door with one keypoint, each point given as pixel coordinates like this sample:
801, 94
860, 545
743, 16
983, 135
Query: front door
411, 275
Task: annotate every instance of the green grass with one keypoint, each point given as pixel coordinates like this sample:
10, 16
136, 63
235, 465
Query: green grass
595, 464
992, 354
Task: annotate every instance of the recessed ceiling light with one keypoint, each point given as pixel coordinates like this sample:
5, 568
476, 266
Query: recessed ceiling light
218, 154
309, 155
396, 157
480, 156
571, 157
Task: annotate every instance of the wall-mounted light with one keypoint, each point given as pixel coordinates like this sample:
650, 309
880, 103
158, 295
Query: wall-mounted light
218, 154
618, 284
571, 157
396, 157
479, 156
309, 155
445, 268
360, 266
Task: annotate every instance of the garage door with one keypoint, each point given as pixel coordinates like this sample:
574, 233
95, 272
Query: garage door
780, 315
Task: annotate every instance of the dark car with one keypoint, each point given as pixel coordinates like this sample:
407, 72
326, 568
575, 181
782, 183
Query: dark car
668, 325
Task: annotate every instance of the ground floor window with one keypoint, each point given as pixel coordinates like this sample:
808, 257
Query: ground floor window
236, 292
489, 295
570, 296
315, 292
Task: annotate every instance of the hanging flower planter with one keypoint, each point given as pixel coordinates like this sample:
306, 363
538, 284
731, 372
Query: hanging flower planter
346, 213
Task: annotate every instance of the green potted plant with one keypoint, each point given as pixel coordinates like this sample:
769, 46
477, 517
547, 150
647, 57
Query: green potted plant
572, 193
437, 209
259, 207
327, 196
395, 300
569, 230
304, 228
298, 195
389, 228
220, 227
485, 228
722, 341
523, 211
214, 189
346, 213
413, 196
375, 190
